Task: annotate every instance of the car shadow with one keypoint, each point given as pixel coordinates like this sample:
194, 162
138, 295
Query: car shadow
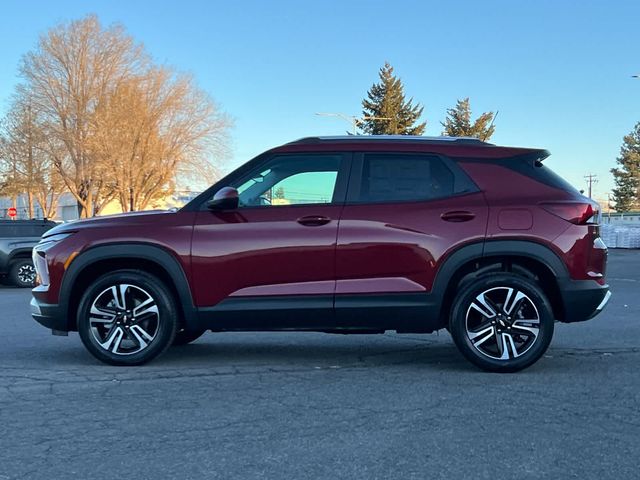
317, 353
255, 352
371, 352
301, 351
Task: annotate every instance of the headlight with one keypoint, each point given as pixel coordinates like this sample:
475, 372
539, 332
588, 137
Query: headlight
39, 256
47, 242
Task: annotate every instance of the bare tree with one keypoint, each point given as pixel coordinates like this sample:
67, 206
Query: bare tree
117, 127
68, 75
25, 161
151, 129
10, 182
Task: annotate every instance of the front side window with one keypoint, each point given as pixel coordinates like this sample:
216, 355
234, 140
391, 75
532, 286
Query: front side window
402, 178
291, 180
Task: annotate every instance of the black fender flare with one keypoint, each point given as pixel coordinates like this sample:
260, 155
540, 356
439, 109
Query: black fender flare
528, 249
452, 263
149, 252
483, 250
22, 252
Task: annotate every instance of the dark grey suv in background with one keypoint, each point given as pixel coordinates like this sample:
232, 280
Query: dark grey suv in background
17, 239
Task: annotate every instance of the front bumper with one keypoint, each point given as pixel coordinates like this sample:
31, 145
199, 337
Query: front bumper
49, 316
583, 300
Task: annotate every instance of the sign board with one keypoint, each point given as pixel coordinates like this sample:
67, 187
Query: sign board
12, 212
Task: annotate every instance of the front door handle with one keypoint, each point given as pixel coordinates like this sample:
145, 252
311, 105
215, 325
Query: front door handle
457, 216
313, 220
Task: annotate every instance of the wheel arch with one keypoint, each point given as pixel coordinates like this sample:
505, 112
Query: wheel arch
522, 257
19, 254
102, 259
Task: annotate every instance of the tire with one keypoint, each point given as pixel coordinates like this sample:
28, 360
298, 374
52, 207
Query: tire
184, 337
502, 322
22, 273
127, 317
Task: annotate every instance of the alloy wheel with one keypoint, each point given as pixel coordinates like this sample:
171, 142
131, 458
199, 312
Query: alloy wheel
502, 323
124, 319
27, 274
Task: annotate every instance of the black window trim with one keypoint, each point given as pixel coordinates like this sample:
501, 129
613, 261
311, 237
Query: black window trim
355, 180
245, 171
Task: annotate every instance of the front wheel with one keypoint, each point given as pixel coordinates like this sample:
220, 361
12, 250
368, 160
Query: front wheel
127, 317
502, 322
22, 273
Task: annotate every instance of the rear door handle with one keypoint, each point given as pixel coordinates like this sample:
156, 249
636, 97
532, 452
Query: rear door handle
457, 216
313, 220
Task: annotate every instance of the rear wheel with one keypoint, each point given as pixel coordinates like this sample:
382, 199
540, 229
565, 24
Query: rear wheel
127, 317
502, 322
22, 273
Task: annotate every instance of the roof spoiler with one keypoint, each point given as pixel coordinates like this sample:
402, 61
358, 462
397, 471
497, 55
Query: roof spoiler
532, 156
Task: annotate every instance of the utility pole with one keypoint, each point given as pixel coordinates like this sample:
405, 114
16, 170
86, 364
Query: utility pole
354, 121
591, 179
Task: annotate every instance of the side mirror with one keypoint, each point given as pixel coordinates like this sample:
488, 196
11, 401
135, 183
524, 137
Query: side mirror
225, 199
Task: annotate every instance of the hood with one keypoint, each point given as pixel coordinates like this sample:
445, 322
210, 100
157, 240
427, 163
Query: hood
147, 216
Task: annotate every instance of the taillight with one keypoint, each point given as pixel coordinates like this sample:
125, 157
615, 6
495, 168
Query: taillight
577, 213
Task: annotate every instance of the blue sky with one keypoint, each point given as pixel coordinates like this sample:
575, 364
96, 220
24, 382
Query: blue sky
559, 72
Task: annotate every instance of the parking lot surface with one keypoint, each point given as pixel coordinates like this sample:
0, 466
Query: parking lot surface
306, 405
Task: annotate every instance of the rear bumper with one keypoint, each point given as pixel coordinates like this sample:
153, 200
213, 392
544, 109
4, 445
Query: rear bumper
583, 300
49, 316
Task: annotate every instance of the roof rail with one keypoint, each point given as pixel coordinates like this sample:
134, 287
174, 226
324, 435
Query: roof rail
392, 138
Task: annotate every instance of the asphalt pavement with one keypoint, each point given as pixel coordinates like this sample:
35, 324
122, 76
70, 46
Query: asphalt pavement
306, 405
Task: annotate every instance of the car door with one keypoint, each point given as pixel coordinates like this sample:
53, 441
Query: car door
404, 212
270, 263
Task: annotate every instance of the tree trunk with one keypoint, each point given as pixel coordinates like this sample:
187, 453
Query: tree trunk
52, 208
30, 205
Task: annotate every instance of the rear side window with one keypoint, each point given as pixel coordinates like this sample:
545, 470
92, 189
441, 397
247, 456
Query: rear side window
541, 173
406, 177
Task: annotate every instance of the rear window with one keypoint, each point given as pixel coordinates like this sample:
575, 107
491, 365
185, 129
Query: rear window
541, 173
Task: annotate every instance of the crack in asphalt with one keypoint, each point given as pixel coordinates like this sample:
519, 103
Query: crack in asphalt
51, 381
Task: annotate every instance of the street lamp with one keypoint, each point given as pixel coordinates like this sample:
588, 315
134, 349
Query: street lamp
354, 121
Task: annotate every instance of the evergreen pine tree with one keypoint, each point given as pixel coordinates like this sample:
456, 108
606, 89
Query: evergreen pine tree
627, 176
458, 122
386, 111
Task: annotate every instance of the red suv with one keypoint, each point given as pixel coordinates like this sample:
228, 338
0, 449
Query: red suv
358, 234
